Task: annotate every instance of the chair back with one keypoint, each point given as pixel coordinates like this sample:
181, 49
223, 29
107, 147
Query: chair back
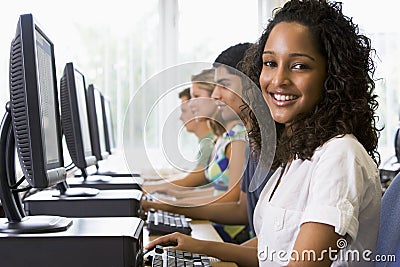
389, 230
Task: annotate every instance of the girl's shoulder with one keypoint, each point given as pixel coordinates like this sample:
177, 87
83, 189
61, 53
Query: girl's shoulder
345, 147
347, 142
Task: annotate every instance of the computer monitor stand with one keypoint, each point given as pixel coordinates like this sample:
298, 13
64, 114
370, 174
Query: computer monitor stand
65, 190
113, 173
104, 182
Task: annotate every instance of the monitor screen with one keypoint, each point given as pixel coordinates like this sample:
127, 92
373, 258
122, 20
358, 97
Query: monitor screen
100, 121
47, 99
109, 126
83, 114
34, 105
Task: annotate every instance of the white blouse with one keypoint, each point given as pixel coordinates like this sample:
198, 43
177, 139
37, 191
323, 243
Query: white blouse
339, 186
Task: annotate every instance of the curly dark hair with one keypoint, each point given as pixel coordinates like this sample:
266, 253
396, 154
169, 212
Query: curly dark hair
348, 102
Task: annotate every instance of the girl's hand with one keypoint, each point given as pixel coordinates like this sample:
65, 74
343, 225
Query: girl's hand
177, 241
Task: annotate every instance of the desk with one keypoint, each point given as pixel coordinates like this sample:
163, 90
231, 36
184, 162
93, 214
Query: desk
201, 229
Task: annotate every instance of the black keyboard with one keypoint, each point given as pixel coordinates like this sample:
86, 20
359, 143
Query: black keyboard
178, 258
160, 222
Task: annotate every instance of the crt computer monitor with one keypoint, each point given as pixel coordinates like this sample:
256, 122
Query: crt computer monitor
36, 128
96, 123
108, 125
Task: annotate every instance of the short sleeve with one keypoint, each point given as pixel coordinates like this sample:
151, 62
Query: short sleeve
336, 190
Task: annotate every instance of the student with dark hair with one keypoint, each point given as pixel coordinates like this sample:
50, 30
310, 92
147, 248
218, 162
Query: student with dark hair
184, 94
322, 203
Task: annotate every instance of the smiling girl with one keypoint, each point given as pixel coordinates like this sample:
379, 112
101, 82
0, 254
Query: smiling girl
314, 70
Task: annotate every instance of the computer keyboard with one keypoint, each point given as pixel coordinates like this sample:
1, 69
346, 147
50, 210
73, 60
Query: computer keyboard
160, 222
172, 257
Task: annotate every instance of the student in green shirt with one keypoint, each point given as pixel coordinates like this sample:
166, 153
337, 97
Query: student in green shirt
198, 123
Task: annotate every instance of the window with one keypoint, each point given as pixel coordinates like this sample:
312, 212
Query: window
378, 21
193, 31
208, 27
113, 43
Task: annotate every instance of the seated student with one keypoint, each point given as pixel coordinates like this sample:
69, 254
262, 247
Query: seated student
325, 194
229, 146
227, 213
202, 129
225, 167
